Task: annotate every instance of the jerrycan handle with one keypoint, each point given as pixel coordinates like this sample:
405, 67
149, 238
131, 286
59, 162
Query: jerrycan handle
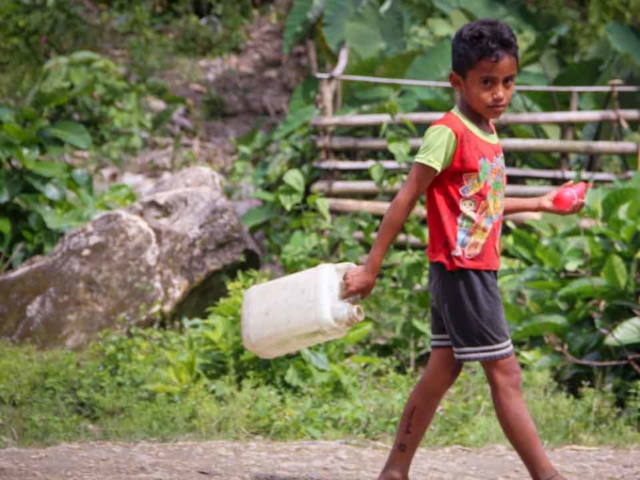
345, 312
342, 269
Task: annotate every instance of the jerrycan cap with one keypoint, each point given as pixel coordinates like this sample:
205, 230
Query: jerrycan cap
347, 314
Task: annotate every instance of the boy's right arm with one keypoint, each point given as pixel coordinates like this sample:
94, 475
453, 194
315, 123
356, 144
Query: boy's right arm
361, 280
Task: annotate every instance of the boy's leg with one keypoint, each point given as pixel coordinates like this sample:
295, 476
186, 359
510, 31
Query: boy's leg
440, 373
505, 378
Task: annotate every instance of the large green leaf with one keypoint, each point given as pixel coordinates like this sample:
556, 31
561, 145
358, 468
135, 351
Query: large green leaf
441, 27
549, 256
5, 226
289, 197
295, 179
5, 230
626, 333
624, 40
615, 199
11, 184
538, 325
47, 168
393, 29
4, 188
302, 15
358, 332
584, 288
478, 8
293, 376
259, 215
336, 14
400, 149
375, 93
82, 178
632, 211
316, 358
295, 120
72, 133
396, 66
7, 114
304, 95
60, 221
16, 133
524, 245
433, 65
85, 56
615, 272
377, 173
363, 32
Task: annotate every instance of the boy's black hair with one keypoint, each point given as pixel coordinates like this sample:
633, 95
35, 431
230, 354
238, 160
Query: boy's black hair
484, 38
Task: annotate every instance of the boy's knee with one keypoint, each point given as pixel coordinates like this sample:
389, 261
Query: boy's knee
438, 381
451, 376
504, 373
455, 373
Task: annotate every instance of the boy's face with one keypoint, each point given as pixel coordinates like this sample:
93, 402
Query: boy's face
487, 87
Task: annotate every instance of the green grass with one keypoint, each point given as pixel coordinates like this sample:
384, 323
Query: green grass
52, 397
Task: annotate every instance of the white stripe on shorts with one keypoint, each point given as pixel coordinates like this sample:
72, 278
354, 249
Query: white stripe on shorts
482, 349
482, 355
440, 336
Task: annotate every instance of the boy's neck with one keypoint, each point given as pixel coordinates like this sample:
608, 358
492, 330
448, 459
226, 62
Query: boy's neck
474, 117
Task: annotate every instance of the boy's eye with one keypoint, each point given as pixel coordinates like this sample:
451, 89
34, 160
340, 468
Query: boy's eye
486, 82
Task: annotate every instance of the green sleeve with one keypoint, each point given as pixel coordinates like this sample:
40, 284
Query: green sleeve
438, 146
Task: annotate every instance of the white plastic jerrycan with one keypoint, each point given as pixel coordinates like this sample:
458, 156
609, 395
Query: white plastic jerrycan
296, 311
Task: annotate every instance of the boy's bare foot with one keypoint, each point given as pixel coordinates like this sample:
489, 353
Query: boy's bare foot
392, 475
556, 476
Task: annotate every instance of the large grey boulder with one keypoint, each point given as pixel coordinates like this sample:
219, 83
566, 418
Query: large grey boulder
164, 256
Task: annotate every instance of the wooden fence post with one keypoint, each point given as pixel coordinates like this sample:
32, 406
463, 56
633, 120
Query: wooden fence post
329, 103
569, 129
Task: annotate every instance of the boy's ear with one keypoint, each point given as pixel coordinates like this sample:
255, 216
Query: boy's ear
455, 80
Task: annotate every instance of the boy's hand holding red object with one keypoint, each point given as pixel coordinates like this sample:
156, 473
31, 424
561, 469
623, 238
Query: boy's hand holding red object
550, 204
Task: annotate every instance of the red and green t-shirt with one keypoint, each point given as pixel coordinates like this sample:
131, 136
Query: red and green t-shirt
465, 201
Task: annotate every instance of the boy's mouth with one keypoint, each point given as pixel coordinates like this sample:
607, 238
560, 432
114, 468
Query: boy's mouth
499, 106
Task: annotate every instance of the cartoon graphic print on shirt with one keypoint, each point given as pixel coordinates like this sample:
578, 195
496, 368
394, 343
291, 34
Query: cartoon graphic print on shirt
476, 221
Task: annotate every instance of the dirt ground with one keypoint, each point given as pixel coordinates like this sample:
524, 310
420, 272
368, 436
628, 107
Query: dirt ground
295, 461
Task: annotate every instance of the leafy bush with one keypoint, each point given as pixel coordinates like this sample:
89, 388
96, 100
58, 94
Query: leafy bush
81, 112
211, 349
409, 39
580, 285
54, 396
575, 285
92, 90
143, 34
41, 194
31, 32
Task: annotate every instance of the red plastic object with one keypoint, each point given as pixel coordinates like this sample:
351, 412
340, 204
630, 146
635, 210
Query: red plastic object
567, 196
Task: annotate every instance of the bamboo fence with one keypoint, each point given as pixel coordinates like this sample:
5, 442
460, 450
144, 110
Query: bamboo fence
329, 144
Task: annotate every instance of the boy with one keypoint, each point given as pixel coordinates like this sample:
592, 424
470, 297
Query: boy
460, 166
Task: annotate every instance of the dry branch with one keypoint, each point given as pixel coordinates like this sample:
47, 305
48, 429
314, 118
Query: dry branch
564, 349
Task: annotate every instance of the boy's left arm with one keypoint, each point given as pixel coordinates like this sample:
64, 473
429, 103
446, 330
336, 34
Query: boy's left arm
540, 204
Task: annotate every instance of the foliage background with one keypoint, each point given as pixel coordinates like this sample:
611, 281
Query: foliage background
75, 96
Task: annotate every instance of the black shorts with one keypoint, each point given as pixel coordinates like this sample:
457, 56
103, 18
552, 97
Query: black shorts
467, 314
